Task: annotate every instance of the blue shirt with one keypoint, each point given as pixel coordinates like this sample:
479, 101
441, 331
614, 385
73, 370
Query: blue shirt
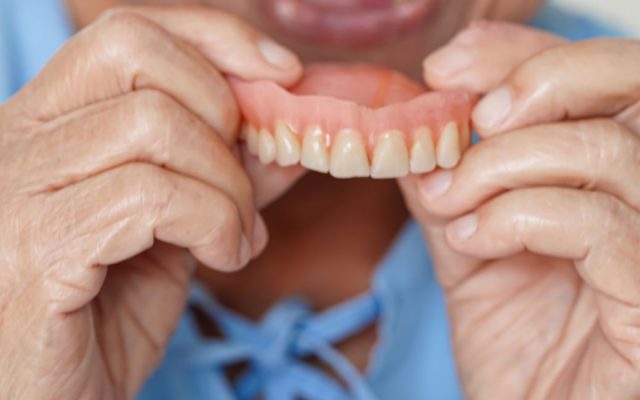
412, 359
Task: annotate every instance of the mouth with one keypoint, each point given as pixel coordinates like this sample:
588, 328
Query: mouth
348, 23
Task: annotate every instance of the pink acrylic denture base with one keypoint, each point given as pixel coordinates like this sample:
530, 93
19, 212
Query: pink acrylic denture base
368, 99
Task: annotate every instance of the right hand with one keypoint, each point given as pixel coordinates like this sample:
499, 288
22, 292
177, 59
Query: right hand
534, 234
125, 138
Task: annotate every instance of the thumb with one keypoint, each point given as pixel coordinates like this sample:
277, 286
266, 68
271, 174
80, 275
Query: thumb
270, 181
482, 56
234, 47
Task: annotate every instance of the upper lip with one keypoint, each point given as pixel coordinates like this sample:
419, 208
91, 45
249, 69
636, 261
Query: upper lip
351, 4
347, 22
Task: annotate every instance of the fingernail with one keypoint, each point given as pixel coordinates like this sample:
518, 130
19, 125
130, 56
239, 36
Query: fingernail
463, 228
450, 61
260, 234
275, 54
493, 109
436, 184
245, 252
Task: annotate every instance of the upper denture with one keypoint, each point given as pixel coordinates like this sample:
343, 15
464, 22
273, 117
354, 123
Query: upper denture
371, 102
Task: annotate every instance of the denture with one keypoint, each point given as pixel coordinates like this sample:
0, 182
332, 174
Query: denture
355, 121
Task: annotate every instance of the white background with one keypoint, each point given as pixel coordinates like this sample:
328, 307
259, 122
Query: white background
623, 12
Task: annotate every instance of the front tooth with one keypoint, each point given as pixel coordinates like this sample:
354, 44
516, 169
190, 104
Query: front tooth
348, 155
267, 147
252, 138
448, 149
390, 157
423, 155
315, 155
287, 145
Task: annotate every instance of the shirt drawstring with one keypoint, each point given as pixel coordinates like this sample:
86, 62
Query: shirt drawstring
276, 346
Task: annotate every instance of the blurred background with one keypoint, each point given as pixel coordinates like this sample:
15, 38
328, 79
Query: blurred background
623, 12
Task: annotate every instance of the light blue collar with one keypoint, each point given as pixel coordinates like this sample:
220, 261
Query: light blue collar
275, 349
403, 292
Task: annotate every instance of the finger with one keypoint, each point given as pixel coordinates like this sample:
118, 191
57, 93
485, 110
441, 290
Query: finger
125, 52
594, 229
590, 154
450, 267
143, 126
270, 181
595, 78
234, 47
482, 56
122, 212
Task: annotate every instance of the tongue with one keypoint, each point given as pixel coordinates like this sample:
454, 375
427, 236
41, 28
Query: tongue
368, 86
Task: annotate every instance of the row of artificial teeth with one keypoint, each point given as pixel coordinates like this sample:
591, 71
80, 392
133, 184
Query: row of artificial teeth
347, 157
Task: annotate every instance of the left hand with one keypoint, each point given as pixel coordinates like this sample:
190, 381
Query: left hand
536, 234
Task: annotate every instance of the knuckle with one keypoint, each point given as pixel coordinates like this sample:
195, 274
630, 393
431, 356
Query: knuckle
126, 34
545, 70
154, 108
155, 117
616, 139
609, 212
621, 142
122, 17
603, 143
154, 102
143, 179
606, 127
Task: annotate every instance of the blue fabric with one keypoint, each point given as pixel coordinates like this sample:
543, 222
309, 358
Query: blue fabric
412, 359
31, 31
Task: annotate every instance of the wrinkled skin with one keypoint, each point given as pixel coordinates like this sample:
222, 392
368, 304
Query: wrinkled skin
100, 157
540, 265
556, 177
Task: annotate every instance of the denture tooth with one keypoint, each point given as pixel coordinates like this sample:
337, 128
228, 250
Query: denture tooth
252, 139
287, 145
315, 155
390, 156
448, 149
423, 154
267, 147
348, 155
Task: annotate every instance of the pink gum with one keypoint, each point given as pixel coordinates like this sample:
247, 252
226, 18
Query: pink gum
263, 103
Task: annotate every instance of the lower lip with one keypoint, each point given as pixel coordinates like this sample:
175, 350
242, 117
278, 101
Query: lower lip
361, 23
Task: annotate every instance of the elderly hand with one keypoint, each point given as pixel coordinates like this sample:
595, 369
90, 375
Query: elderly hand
125, 138
536, 234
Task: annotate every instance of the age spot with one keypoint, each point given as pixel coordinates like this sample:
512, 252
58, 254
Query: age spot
355, 121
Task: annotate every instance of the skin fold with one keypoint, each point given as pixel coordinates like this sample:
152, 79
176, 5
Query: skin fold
534, 234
